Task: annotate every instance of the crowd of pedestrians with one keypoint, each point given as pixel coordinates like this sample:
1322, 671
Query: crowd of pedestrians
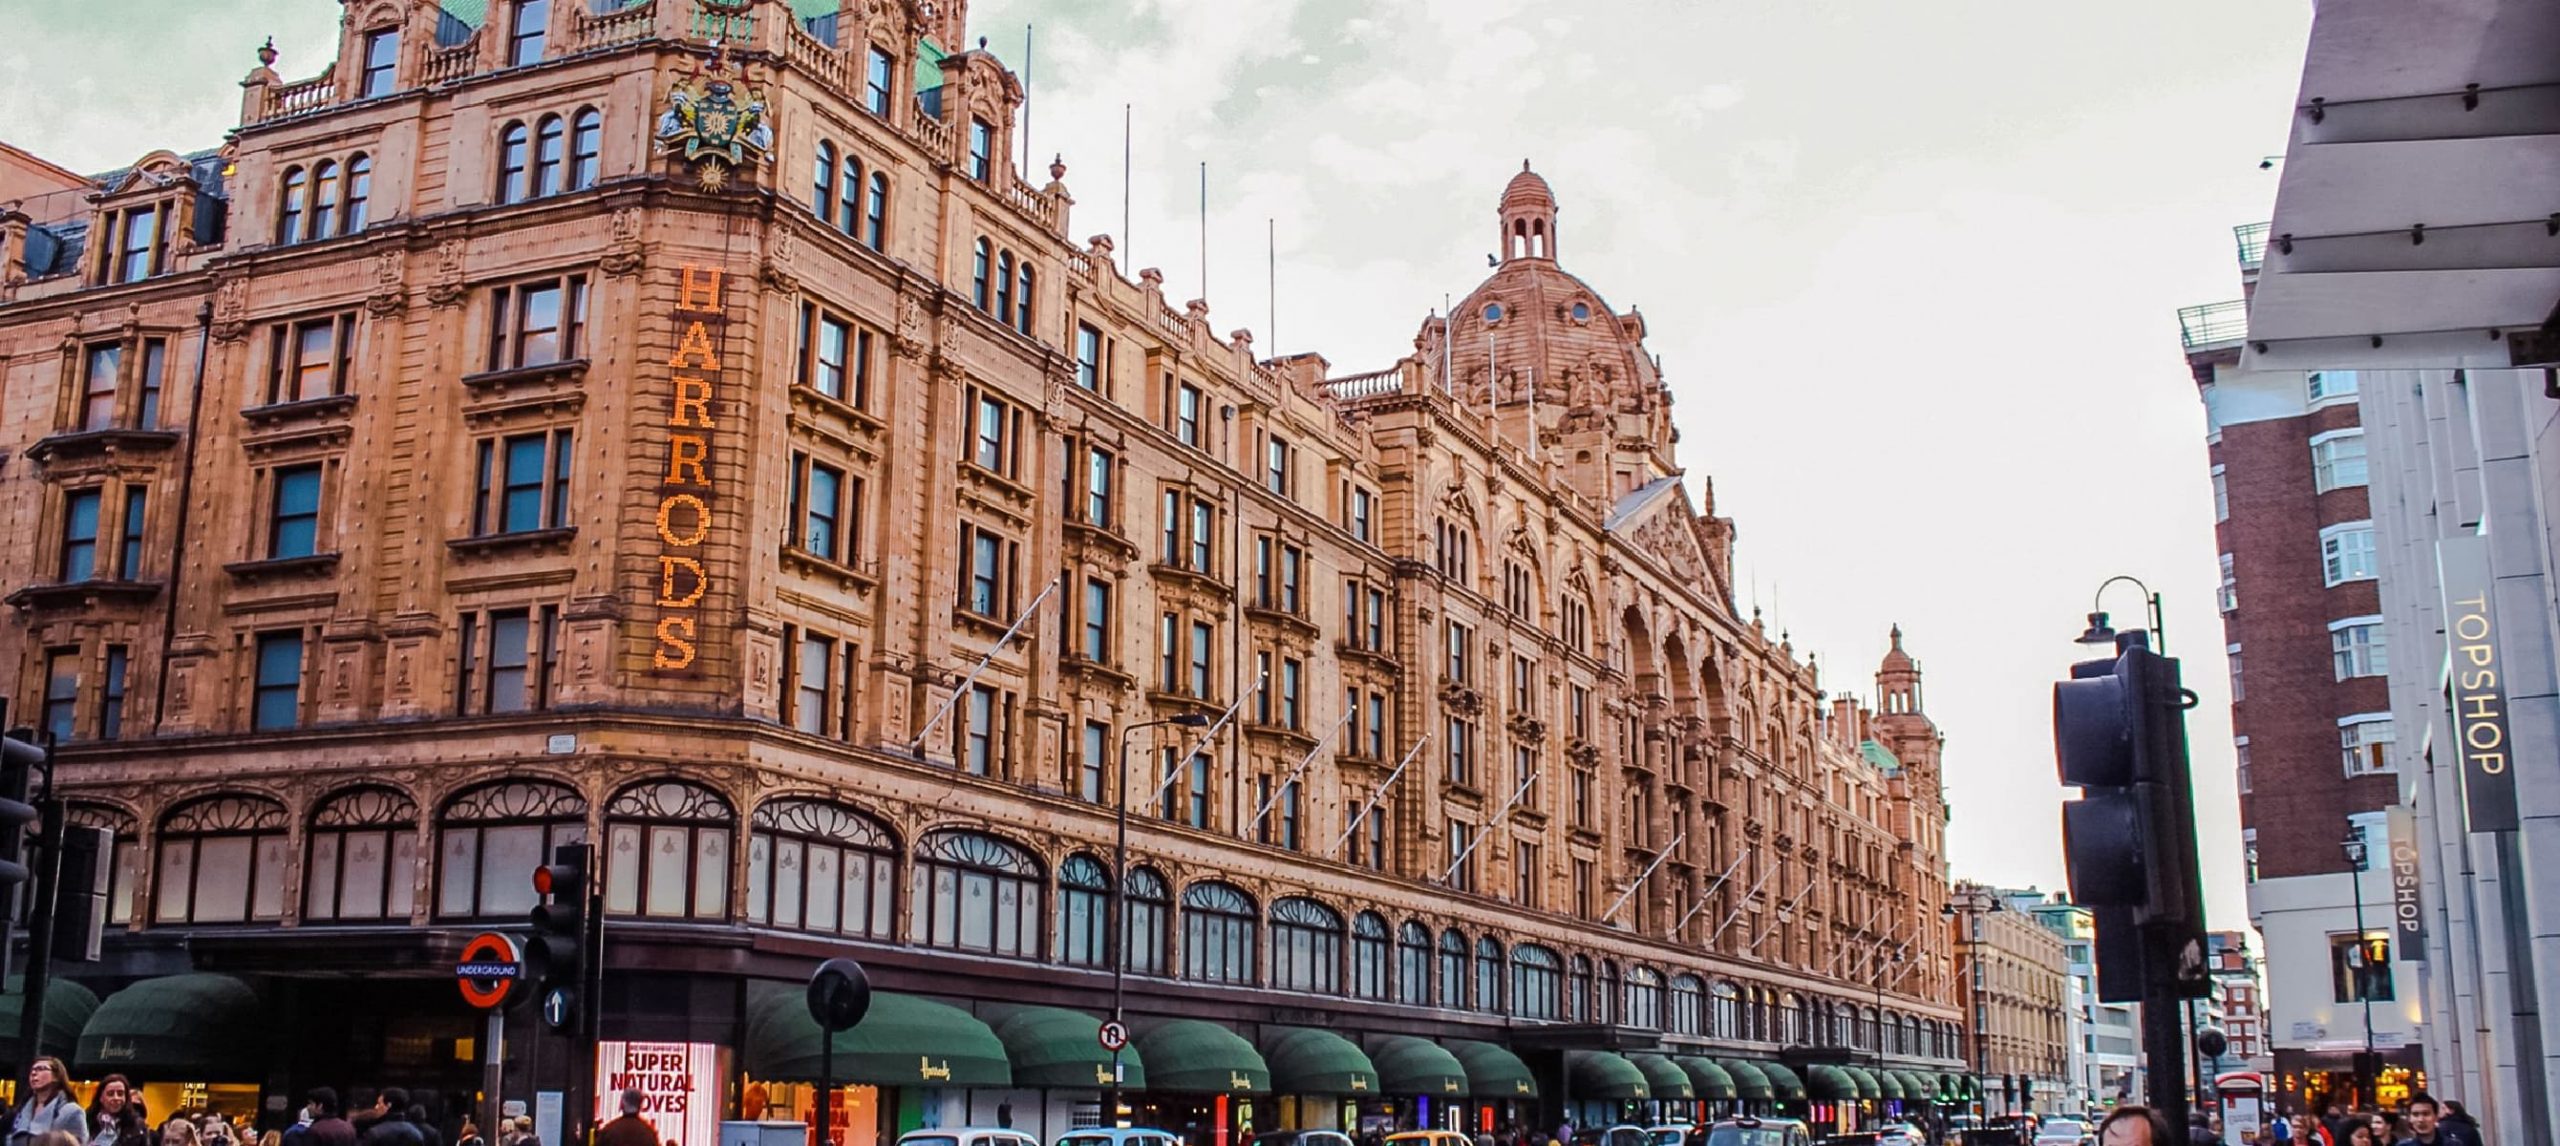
49, 1114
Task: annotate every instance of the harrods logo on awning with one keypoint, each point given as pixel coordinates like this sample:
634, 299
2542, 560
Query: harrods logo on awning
684, 506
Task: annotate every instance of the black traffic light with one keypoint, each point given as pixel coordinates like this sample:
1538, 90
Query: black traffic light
2119, 734
80, 911
20, 759
556, 954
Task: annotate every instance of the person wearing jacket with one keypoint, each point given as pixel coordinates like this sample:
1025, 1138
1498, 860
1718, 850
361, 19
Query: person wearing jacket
117, 1121
46, 1105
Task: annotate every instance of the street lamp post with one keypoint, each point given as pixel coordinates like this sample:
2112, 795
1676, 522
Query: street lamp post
1119, 888
2101, 633
2354, 847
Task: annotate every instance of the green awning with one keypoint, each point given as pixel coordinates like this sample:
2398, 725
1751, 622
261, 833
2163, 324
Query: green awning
1866, 1083
1824, 1082
1711, 1082
1306, 1060
1492, 1071
199, 1027
1918, 1087
1890, 1085
1663, 1076
1055, 1048
904, 1040
1783, 1083
1193, 1056
67, 1008
1411, 1066
1749, 1083
1599, 1074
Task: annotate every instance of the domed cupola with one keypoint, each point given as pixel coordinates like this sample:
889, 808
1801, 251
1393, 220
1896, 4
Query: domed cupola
1528, 217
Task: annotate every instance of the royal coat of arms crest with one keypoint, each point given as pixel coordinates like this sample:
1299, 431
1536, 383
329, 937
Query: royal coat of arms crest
715, 124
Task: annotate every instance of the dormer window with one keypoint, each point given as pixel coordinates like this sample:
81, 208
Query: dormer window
982, 144
877, 70
527, 25
381, 62
139, 243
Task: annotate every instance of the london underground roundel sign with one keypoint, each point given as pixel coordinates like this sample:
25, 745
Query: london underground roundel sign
491, 963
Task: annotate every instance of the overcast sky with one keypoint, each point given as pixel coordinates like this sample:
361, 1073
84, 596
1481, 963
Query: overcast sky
1911, 268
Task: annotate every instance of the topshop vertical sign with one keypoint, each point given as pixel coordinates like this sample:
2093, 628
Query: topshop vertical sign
2476, 691
684, 519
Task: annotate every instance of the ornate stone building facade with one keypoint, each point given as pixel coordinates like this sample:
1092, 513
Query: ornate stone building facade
2012, 974
680, 426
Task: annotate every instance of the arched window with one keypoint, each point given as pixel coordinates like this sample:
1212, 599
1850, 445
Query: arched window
294, 203
1644, 998
1687, 1003
978, 893
1453, 971
586, 148
1369, 957
1605, 999
1149, 902
1790, 1019
1869, 1034
849, 210
126, 873
1084, 913
222, 860
490, 838
1217, 934
667, 851
514, 163
363, 857
1728, 1012
324, 199
1488, 975
1004, 285
875, 214
1578, 990
982, 262
1536, 975
815, 865
550, 140
359, 190
1022, 298
1306, 947
822, 193
1413, 964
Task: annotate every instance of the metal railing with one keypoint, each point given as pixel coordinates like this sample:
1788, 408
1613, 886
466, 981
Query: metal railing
2252, 238
2213, 322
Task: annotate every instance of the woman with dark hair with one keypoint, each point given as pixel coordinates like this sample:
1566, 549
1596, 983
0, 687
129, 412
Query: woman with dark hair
46, 1104
117, 1121
2136, 1126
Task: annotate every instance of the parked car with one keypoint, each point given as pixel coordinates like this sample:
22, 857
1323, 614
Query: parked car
1619, 1135
1132, 1136
1858, 1138
2062, 1132
1900, 1134
1758, 1132
1428, 1138
1299, 1138
967, 1136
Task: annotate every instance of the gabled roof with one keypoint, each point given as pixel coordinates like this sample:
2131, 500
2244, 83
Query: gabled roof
1634, 504
1880, 757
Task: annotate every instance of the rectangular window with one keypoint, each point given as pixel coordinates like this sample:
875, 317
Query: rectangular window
277, 699
1097, 621
1263, 688
2364, 744
2326, 385
878, 68
1289, 817
1460, 642
1585, 904
101, 374
2337, 460
137, 249
381, 60
1583, 783
1097, 488
1202, 656
1169, 654
2228, 595
1524, 686
987, 573
2346, 553
1088, 357
129, 560
311, 359
828, 362
1203, 536
2356, 647
1276, 468
2360, 968
982, 143
1462, 763
1091, 762
2239, 691
1524, 873
2221, 495
1377, 619
1292, 713
1578, 700
979, 756
61, 693
1462, 860
1363, 509
1172, 528
80, 534
1186, 416
510, 662
538, 323
111, 698
823, 513
992, 427
293, 519
523, 484
527, 26
1292, 569
813, 683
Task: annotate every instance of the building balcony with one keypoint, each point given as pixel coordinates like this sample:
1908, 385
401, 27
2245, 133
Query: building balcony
2214, 324
2252, 240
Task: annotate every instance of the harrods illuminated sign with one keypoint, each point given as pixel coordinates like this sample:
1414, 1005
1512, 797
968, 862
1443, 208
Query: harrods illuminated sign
684, 518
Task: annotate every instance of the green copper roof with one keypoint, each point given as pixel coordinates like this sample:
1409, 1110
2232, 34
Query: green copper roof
1880, 756
806, 10
929, 56
471, 12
